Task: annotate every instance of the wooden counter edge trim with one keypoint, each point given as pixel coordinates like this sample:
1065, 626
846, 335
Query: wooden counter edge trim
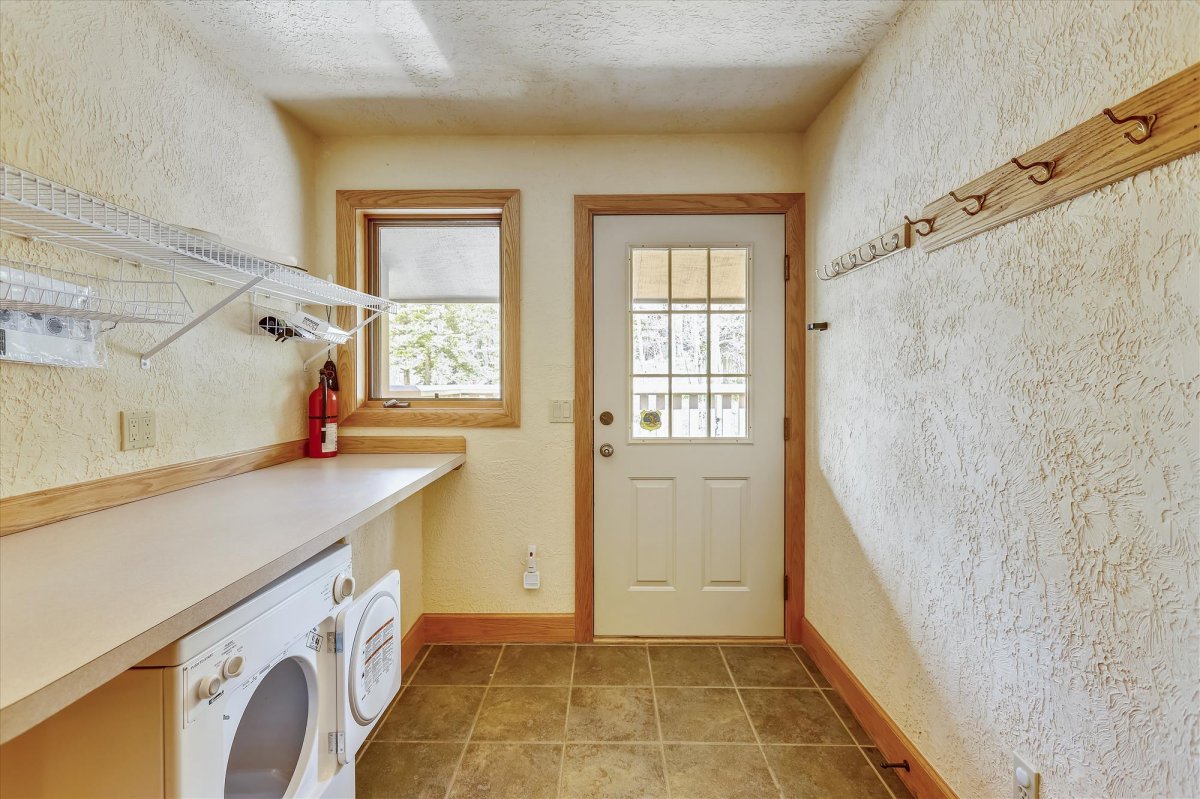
498, 628
23, 511
923, 780
38, 706
429, 445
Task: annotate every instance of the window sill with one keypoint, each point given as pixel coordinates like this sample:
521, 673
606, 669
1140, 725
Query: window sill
377, 416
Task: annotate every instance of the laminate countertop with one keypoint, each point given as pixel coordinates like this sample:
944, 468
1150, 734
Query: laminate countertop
84, 599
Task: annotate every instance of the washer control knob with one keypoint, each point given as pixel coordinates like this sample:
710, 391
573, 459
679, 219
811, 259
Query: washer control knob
343, 587
209, 686
233, 667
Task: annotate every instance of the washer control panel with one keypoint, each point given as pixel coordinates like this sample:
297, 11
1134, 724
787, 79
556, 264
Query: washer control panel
211, 675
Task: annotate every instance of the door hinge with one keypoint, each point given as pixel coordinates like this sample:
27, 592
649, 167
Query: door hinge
787, 268
787, 429
786, 588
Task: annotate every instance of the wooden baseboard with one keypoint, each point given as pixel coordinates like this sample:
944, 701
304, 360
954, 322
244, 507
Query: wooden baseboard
36, 508
361, 445
922, 780
498, 628
411, 643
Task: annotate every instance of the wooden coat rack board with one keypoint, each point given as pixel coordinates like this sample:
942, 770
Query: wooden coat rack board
1151, 128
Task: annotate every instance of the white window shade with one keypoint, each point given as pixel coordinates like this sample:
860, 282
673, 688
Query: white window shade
440, 263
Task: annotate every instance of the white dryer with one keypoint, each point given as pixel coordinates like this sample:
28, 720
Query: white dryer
367, 650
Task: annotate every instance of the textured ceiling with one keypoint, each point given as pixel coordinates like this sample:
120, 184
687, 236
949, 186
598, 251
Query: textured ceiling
567, 66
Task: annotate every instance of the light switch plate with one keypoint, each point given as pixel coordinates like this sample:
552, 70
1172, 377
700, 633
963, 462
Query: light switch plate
562, 411
139, 430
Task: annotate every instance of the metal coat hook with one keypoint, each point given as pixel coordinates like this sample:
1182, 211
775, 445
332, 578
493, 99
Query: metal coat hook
885, 246
1048, 166
902, 764
928, 222
978, 199
1146, 123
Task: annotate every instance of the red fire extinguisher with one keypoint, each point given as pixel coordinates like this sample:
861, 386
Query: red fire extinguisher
322, 420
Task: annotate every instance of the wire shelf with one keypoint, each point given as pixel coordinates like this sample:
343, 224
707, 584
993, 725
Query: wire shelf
35, 289
42, 209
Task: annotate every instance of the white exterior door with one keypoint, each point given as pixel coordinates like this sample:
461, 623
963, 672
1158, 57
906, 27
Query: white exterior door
689, 362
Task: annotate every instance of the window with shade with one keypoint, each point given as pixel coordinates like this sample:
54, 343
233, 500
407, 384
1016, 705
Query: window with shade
443, 345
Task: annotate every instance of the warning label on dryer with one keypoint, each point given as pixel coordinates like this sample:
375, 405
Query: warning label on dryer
378, 655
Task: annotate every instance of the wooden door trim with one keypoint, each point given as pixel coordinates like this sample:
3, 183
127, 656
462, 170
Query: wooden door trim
587, 207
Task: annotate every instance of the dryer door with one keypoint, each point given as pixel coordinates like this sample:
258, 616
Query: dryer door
368, 655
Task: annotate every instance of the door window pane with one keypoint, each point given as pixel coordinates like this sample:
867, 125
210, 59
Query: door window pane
729, 407
650, 344
689, 343
651, 411
689, 407
689, 279
649, 280
689, 337
729, 268
728, 343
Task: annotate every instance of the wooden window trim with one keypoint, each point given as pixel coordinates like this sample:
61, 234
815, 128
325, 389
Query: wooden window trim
354, 206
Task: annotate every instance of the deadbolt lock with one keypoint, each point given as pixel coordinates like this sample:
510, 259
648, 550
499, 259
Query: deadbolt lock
606, 450
606, 417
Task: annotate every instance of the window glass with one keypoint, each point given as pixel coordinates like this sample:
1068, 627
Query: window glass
443, 341
689, 332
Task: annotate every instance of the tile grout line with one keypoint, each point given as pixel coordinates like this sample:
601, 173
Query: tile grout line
878, 773
763, 752
662, 746
845, 726
621, 685
562, 761
478, 711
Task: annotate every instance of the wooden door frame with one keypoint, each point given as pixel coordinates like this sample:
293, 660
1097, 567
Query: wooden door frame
587, 207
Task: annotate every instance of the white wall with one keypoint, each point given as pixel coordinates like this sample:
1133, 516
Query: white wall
518, 486
1002, 494
113, 99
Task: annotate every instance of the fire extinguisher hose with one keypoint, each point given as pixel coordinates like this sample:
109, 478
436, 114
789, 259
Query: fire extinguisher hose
324, 406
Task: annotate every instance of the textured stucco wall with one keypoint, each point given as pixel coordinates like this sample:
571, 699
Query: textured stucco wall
517, 486
1002, 536
113, 99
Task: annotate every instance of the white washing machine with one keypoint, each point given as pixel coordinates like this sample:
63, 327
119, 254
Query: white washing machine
271, 699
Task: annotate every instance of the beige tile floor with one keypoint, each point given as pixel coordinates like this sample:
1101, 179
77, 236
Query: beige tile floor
620, 721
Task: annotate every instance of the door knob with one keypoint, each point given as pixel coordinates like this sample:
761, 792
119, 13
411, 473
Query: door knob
606, 450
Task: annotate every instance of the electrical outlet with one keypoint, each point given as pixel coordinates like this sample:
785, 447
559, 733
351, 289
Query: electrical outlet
562, 411
139, 429
1027, 782
531, 579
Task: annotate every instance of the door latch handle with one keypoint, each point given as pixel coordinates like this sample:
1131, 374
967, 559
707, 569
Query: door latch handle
606, 450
